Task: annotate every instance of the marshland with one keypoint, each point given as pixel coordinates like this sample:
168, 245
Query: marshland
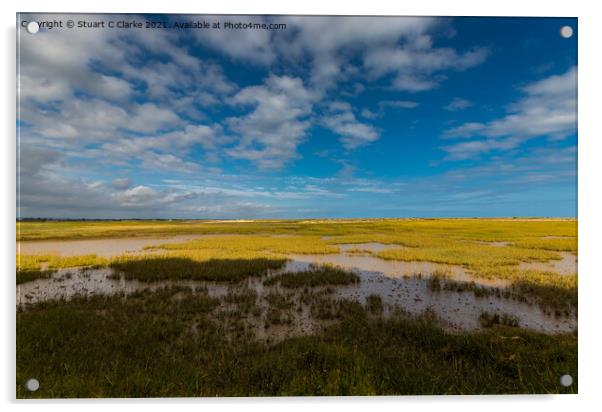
296, 307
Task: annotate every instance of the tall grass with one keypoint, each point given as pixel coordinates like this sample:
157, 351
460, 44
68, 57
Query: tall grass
172, 268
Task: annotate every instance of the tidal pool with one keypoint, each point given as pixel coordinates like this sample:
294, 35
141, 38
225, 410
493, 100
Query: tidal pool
565, 266
101, 247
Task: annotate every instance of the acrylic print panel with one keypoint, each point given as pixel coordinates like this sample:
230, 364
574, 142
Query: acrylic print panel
295, 205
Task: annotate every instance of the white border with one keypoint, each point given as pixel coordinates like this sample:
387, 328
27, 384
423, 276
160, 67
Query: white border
590, 205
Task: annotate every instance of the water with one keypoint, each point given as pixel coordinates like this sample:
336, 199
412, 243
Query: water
565, 266
399, 284
100, 247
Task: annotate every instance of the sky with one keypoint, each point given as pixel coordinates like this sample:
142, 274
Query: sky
330, 117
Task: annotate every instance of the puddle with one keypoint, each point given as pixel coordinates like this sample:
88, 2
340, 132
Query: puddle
372, 247
101, 247
458, 311
565, 266
393, 268
67, 283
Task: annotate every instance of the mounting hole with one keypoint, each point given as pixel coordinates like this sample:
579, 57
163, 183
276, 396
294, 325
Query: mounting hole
566, 32
566, 380
33, 27
32, 384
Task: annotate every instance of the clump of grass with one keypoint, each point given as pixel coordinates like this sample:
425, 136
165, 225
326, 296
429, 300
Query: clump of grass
245, 300
489, 320
358, 251
560, 298
278, 309
315, 276
42, 266
374, 304
152, 269
24, 276
279, 301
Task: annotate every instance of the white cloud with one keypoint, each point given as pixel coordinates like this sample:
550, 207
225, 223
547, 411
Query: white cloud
121, 183
458, 104
401, 46
145, 196
251, 45
277, 124
352, 132
415, 65
548, 109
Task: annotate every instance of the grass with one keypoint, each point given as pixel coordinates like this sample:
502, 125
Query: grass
480, 258
254, 244
29, 275
374, 304
152, 269
169, 343
180, 342
42, 266
564, 244
315, 276
467, 229
554, 293
55, 261
489, 320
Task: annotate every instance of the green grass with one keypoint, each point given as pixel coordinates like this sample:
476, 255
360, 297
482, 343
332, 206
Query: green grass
489, 320
29, 275
316, 276
374, 304
152, 269
169, 343
554, 293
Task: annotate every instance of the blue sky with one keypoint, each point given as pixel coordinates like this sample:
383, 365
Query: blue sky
331, 117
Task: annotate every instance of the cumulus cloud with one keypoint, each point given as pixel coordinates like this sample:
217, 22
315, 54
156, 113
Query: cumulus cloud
110, 85
417, 66
352, 132
254, 46
32, 160
277, 123
402, 47
549, 108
